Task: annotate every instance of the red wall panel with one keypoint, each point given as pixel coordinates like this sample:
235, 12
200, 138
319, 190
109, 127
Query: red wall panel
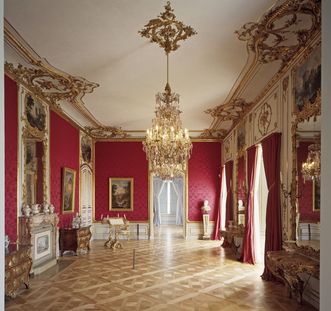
204, 168
121, 159
64, 152
305, 189
11, 145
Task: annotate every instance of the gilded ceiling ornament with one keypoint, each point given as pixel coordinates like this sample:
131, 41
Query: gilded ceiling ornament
283, 31
166, 31
104, 132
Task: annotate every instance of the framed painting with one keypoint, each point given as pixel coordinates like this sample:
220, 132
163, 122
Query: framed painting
35, 113
68, 190
307, 80
121, 194
316, 196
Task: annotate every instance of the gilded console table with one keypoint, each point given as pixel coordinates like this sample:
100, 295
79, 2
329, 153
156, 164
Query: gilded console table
17, 268
288, 265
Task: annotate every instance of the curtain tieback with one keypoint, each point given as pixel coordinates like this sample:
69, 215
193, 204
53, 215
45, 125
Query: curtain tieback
272, 186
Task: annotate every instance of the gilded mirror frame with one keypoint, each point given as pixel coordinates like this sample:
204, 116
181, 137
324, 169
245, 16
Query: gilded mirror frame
33, 127
308, 111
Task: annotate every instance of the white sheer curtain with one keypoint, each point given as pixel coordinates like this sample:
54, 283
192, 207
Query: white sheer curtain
158, 184
178, 187
223, 200
260, 204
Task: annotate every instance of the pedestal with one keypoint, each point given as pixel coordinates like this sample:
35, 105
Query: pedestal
205, 218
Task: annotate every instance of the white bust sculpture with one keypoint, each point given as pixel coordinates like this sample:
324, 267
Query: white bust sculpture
205, 207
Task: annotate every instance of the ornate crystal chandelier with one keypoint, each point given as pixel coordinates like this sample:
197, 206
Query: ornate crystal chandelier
167, 145
311, 169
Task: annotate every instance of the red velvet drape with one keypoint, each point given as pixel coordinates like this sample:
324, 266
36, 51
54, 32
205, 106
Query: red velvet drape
229, 199
247, 254
271, 159
216, 235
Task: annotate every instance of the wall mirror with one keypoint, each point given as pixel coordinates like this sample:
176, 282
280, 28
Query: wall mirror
306, 148
34, 171
240, 177
305, 190
34, 150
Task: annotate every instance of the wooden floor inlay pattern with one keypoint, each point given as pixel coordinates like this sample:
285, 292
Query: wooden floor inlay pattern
170, 274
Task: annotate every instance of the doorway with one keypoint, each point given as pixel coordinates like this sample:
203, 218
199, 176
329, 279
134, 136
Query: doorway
168, 207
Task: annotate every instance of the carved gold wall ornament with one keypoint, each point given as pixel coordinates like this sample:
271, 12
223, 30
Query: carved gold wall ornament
166, 31
283, 31
264, 119
104, 132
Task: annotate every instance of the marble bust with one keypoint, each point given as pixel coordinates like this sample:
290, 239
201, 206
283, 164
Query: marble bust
205, 207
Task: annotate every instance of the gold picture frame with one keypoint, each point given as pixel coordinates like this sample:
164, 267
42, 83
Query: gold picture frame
68, 190
121, 194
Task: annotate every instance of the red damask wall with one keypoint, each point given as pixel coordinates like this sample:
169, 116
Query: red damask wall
64, 152
305, 188
121, 159
204, 168
11, 128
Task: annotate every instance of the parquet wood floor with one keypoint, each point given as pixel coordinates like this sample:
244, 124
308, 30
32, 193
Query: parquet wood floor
170, 274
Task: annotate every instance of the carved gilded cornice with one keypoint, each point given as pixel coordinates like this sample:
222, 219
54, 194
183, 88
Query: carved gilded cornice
106, 132
213, 134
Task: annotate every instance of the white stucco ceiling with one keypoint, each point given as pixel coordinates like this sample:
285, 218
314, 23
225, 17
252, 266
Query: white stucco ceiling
99, 41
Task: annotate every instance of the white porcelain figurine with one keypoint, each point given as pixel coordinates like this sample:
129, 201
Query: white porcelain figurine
35, 209
26, 210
